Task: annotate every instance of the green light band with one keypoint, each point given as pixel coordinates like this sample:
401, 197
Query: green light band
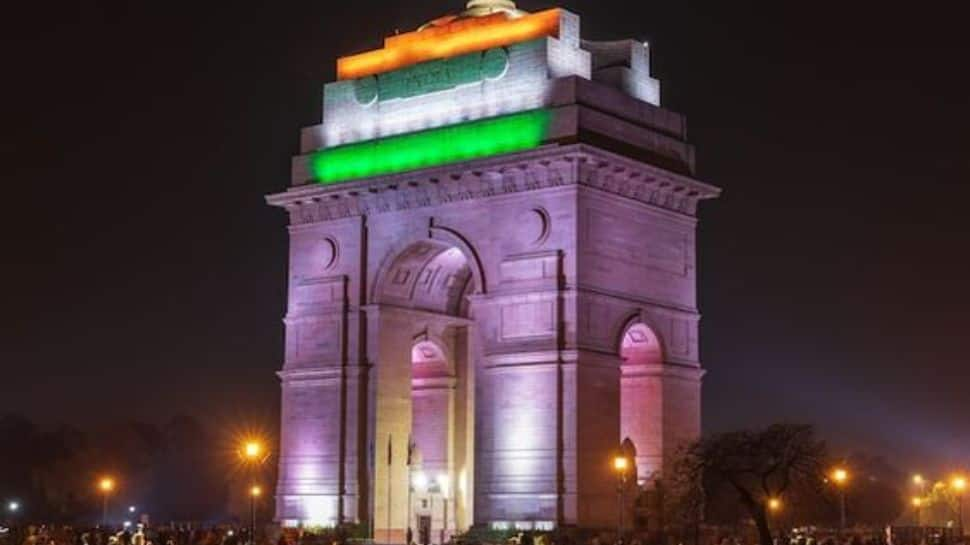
435, 147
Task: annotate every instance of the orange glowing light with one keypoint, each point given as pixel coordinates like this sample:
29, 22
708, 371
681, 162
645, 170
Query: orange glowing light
256, 491
106, 484
458, 38
253, 450
620, 463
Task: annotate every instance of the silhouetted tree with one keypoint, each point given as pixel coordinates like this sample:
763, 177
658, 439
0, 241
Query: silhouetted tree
747, 469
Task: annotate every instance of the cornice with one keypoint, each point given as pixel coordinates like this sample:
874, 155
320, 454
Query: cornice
548, 167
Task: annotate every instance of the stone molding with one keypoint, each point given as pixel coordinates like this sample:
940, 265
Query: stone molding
549, 167
406, 313
665, 370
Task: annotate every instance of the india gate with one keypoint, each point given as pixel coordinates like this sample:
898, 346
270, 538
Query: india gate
492, 282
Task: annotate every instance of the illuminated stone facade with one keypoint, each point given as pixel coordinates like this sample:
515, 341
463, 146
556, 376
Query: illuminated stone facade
512, 316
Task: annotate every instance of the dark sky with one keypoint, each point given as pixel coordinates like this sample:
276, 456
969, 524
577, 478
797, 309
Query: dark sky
144, 276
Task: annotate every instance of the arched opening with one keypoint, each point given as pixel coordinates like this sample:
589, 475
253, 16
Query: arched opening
433, 383
641, 398
640, 346
426, 286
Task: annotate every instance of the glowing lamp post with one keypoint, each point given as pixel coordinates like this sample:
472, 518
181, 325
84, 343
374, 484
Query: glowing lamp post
917, 505
840, 477
106, 485
253, 452
959, 484
254, 493
774, 508
774, 505
13, 507
621, 465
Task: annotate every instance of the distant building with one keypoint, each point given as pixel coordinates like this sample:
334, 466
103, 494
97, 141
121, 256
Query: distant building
493, 259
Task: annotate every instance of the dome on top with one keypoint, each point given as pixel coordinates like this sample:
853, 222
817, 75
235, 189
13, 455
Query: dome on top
479, 8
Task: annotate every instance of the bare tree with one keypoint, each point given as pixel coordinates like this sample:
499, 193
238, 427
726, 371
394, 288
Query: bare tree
752, 466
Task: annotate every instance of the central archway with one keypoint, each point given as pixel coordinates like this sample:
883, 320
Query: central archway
425, 287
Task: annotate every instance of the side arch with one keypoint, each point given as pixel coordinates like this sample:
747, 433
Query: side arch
642, 395
630, 320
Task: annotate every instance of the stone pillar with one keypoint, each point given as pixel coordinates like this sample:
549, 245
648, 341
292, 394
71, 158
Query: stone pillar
548, 413
312, 449
309, 464
355, 493
464, 464
595, 382
642, 408
389, 342
519, 443
681, 407
664, 401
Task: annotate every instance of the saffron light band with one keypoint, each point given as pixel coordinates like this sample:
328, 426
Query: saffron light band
434, 44
436, 147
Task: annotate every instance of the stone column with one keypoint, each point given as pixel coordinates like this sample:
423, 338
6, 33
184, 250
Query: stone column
592, 405
661, 408
548, 413
518, 450
309, 464
389, 339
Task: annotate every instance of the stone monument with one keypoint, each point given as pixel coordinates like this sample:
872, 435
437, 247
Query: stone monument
492, 282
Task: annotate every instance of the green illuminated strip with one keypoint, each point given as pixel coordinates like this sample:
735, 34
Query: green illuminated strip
473, 140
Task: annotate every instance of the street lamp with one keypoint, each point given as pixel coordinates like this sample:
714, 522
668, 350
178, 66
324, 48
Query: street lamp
620, 465
840, 476
254, 493
959, 484
107, 486
253, 452
917, 505
774, 507
13, 507
920, 483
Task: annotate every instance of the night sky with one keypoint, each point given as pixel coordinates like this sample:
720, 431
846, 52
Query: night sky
144, 276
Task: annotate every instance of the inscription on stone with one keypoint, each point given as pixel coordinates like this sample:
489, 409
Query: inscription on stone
432, 77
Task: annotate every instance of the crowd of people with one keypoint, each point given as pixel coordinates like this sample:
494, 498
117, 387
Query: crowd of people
174, 534
137, 534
